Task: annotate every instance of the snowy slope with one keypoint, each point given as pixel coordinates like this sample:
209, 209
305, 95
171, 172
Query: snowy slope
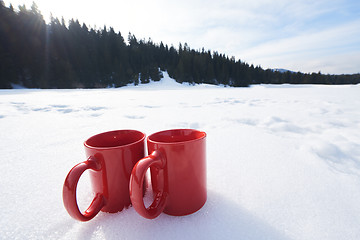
282, 70
282, 162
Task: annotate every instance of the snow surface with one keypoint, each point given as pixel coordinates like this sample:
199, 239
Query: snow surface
283, 162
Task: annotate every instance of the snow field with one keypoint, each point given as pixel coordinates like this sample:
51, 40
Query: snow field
283, 162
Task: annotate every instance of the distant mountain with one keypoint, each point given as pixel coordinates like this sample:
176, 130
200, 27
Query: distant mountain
282, 70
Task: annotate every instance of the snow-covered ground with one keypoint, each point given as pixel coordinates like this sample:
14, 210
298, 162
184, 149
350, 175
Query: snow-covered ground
283, 162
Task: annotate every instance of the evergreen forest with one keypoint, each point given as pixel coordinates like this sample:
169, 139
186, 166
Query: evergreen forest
36, 54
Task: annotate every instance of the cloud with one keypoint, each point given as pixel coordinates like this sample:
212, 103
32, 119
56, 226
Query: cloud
323, 46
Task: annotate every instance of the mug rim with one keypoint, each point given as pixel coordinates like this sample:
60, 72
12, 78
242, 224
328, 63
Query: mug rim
143, 136
178, 142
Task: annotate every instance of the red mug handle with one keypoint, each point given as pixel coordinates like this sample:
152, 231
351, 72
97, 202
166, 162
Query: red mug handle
136, 187
69, 191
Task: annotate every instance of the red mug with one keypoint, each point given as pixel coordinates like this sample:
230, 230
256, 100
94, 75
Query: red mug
111, 157
177, 162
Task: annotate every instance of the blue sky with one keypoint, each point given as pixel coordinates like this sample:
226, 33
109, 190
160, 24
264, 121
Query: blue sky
299, 35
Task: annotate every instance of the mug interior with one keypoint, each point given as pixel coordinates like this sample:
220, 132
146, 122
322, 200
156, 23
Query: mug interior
176, 136
114, 139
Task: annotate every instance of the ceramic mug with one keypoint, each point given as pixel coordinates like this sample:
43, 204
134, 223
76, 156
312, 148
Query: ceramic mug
177, 163
111, 157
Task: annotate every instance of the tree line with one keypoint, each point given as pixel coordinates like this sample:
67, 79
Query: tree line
60, 55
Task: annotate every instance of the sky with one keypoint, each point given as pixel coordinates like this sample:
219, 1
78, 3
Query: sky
299, 35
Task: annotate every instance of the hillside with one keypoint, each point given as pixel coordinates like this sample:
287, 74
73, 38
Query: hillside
59, 55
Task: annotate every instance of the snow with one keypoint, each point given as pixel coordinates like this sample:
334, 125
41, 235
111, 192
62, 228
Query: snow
282, 70
283, 161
